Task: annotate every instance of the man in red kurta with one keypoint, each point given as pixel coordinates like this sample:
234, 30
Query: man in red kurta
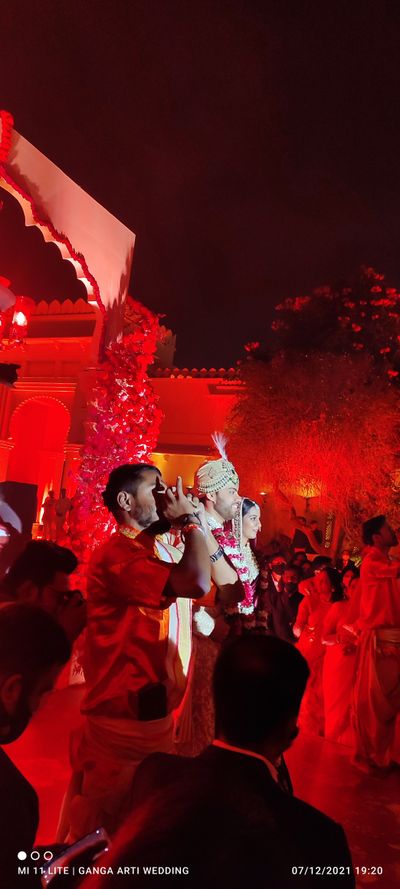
377, 683
134, 675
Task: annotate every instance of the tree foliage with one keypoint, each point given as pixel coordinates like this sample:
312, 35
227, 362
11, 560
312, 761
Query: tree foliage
320, 415
360, 316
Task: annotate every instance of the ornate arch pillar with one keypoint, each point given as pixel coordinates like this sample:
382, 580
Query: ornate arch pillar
6, 448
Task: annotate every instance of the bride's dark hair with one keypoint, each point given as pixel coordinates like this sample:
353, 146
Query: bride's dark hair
247, 505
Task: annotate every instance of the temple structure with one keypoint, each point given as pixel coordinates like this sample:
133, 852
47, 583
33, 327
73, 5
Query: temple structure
43, 416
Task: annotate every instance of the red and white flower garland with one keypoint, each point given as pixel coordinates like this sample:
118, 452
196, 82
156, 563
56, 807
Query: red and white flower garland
229, 544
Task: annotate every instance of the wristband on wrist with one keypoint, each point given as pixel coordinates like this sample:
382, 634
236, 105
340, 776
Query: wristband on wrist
217, 555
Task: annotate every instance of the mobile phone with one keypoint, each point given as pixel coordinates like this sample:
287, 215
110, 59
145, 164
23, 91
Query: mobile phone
85, 850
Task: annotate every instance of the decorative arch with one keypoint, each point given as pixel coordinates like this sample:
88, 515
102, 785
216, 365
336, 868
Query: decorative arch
49, 234
40, 399
39, 430
66, 215
32, 217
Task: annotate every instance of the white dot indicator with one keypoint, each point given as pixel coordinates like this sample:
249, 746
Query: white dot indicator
35, 855
48, 856
22, 856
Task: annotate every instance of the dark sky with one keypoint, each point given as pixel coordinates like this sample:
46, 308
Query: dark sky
254, 147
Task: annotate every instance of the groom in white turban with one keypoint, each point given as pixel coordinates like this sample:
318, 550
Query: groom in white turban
217, 484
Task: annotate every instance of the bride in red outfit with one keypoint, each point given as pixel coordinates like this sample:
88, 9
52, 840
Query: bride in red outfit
326, 588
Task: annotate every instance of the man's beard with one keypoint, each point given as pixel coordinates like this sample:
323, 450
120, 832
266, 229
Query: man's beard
145, 516
160, 526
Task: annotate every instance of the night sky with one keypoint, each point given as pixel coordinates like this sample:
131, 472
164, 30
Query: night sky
254, 147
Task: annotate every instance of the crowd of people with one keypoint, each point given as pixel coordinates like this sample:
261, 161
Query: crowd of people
55, 515
202, 658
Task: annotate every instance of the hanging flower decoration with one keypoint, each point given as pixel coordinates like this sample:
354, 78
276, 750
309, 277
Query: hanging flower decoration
123, 423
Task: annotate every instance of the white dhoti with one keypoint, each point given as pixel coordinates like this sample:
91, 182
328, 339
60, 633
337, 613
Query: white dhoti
105, 754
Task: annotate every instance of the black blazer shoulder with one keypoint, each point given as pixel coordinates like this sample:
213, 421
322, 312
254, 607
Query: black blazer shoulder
245, 809
19, 818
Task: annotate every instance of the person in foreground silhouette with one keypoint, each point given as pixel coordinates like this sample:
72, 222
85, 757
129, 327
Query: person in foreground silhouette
33, 650
227, 815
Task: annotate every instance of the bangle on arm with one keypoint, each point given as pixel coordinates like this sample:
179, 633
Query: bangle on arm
217, 555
